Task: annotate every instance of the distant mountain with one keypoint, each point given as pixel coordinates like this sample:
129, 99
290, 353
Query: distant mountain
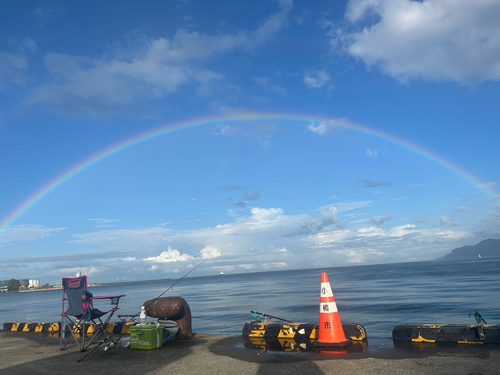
486, 249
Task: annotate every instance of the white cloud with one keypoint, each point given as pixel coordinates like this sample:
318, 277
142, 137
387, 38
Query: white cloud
488, 185
372, 154
210, 252
12, 69
65, 272
28, 45
263, 215
47, 11
103, 223
276, 265
321, 129
371, 232
327, 238
434, 39
225, 130
328, 127
259, 131
86, 86
403, 230
379, 220
349, 206
316, 79
127, 238
19, 233
271, 238
447, 222
169, 256
267, 86
248, 266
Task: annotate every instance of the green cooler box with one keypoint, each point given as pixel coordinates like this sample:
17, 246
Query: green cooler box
146, 337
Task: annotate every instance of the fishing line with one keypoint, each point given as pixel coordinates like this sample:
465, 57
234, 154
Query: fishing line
174, 284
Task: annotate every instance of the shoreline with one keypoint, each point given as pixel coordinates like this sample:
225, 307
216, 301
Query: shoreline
47, 289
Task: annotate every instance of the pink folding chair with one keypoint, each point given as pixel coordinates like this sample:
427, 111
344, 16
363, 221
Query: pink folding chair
79, 315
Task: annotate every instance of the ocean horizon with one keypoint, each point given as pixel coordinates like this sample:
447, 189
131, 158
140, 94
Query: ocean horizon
379, 297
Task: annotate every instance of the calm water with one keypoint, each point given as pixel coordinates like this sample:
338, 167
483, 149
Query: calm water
379, 297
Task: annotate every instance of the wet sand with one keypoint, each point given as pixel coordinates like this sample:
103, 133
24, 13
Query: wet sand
31, 353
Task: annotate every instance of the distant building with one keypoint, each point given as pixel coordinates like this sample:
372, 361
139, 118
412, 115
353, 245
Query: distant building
34, 284
23, 282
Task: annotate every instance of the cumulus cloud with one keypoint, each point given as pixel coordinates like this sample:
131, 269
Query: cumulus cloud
210, 252
434, 39
169, 256
270, 236
266, 214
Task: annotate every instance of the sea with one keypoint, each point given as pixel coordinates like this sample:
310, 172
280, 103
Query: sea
379, 297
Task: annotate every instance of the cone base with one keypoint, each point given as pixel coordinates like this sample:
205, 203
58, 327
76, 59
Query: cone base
341, 344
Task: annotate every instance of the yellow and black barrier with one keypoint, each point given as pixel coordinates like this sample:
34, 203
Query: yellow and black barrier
53, 328
457, 334
30, 327
298, 331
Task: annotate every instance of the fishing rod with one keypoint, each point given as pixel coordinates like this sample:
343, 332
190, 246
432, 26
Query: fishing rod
174, 284
267, 316
133, 316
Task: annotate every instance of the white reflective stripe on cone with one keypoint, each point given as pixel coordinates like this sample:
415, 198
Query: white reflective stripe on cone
326, 290
328, 307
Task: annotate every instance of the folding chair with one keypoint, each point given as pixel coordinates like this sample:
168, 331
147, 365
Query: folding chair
80, 315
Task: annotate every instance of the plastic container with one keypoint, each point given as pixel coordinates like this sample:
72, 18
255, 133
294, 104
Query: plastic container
146, 337
142, 317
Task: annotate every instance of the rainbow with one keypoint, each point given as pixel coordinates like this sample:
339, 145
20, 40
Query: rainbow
194, 123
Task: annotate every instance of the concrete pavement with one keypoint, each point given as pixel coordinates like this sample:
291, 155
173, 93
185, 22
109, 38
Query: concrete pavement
31, 353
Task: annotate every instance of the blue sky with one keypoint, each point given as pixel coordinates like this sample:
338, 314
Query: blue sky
293, 134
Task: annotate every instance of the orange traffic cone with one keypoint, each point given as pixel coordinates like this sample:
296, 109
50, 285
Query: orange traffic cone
331, 332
